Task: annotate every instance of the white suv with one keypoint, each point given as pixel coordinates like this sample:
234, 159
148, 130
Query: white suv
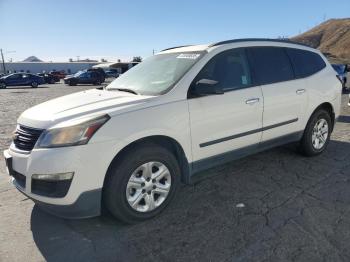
127, 146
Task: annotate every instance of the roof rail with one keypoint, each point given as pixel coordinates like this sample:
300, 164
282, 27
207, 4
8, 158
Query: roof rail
257, 39
174, 47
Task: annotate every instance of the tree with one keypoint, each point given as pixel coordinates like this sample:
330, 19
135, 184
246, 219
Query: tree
137, 59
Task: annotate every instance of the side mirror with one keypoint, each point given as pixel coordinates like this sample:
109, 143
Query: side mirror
207, 87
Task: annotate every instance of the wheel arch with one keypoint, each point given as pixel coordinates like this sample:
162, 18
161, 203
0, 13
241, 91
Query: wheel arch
165, 141
329, 108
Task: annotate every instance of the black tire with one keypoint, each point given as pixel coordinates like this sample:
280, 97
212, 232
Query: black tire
34, 84
306, 146
114, 191
72, 83
2, 85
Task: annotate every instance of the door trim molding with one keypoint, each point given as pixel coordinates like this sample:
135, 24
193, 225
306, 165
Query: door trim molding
216, 141
206, 163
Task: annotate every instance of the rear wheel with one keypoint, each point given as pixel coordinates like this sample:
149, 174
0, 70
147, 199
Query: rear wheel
34, 84
2, 85
141, 184
317, 134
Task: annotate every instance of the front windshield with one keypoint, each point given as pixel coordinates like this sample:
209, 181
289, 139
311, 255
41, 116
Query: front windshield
157, 74
79, 73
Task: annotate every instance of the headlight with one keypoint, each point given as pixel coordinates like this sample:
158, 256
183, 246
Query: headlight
71, 133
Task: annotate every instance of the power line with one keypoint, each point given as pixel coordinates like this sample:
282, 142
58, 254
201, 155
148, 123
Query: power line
3, 61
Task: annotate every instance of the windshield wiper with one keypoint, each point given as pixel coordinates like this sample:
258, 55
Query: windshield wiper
103, 87
126, 90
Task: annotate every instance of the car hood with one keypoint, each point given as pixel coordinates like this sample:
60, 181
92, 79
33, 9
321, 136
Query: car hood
85, 103
69, 77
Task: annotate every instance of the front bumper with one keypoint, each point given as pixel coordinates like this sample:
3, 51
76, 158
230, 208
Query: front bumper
84, 207
83, 195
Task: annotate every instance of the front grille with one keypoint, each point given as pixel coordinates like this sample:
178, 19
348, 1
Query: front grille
26, 137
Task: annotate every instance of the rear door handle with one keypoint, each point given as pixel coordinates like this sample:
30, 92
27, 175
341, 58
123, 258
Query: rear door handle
252, 101
300, 91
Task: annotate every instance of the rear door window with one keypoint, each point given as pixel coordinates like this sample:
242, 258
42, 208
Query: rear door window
305, 63
270, 65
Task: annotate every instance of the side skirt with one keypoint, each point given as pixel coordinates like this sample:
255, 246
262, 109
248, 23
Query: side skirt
213, 161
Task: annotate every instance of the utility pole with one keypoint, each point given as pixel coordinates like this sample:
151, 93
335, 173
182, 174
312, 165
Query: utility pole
3, 61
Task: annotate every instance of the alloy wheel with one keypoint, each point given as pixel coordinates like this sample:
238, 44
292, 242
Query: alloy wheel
320, 134
148, 186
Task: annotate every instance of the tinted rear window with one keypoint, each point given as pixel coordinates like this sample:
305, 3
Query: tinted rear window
305, 63
270, 65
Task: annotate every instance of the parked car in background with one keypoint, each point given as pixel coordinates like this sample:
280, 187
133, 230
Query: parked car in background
342, 71
127, 147
59, 74
100, 71
112, 73
49, 78
21, 79
84, 77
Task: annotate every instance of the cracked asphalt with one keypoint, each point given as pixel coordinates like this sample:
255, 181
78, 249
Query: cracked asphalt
272, 206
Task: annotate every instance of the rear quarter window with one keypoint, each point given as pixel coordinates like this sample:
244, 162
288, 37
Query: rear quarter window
305, 63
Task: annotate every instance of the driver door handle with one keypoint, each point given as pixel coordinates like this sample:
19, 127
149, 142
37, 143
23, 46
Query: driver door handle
252, 101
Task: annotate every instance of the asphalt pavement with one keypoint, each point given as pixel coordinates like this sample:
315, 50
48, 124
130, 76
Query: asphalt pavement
273, 206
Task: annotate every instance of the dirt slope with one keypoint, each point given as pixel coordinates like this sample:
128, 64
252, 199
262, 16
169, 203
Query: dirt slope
331, 37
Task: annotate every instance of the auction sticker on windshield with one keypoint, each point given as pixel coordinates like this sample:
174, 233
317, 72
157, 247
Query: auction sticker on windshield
188, 56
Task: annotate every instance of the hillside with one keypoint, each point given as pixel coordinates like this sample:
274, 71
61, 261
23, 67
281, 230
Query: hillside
331, 37
32, 59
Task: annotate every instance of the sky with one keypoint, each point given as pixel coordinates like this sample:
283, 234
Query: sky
95, 29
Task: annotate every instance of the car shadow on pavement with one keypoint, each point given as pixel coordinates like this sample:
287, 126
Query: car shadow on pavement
344, 119
275, 205
24, 87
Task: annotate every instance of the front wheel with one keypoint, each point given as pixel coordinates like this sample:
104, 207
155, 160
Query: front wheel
317, 134
2, 85
34, 84
141, 184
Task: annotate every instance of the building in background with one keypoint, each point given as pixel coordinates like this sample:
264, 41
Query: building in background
34, 65
42, 67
